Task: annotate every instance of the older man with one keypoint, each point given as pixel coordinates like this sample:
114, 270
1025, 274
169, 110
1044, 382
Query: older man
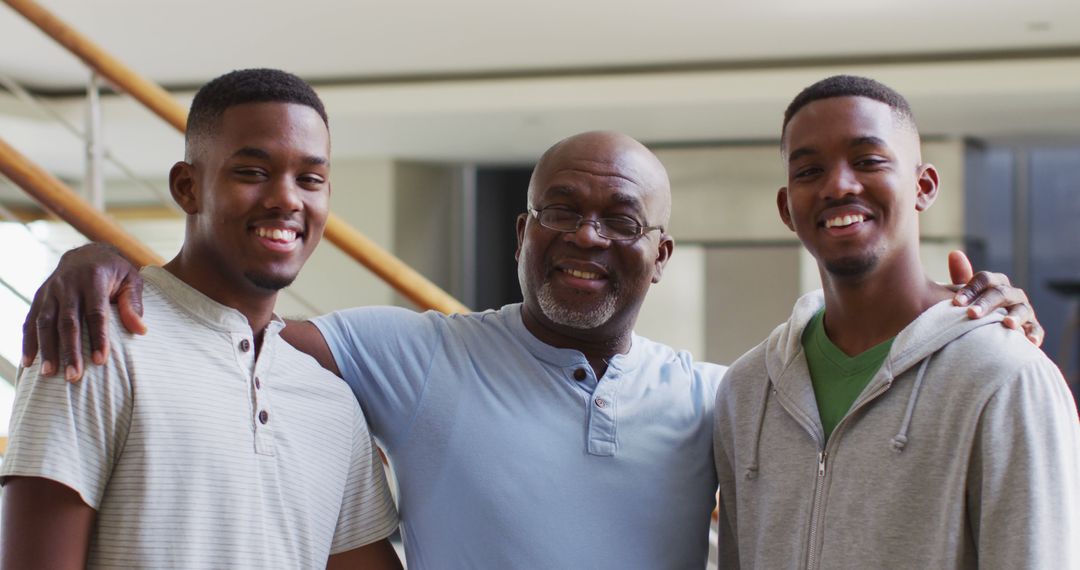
544, 434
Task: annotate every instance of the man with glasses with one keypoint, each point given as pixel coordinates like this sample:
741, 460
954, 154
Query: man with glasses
544, 434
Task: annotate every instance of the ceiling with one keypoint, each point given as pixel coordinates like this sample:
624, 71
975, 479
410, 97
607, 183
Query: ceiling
187, 42
493, 81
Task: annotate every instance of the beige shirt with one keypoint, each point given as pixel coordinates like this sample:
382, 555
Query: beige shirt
197, 455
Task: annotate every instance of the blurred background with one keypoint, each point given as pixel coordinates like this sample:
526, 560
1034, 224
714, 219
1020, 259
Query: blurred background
439, 109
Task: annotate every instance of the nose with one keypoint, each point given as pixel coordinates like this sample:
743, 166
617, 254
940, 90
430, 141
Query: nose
283, 194
842, 181
587, 235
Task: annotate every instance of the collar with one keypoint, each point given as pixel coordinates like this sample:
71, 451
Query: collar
564, 357
202, 308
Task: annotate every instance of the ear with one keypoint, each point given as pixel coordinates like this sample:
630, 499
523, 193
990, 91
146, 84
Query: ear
782, 206
927, 187
664, 249
522, 219
182, 187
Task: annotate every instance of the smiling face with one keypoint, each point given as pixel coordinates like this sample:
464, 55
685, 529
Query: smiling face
580, 281
257, 194
855, 184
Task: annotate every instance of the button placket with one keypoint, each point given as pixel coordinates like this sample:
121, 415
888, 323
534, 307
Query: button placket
263, 418
602, 419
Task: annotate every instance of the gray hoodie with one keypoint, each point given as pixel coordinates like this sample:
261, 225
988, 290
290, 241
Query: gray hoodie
963, 451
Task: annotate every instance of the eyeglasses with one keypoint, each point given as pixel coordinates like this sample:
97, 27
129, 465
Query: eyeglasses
568, 221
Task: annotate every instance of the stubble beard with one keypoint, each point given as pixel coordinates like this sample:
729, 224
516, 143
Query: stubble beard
269, 282
853, 266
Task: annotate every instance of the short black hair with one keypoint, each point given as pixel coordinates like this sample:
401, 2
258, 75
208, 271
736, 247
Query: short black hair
246, 86
850, 86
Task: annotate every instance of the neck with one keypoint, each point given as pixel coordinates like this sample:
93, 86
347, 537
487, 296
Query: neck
256, 304
862, 312
598, 346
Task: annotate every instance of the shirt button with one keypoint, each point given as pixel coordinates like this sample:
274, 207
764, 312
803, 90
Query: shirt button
257, 383
580, 374
600, 403
264, 417
245, 345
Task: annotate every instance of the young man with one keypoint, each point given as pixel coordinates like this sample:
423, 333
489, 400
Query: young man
544, 434
879, 427
209, 441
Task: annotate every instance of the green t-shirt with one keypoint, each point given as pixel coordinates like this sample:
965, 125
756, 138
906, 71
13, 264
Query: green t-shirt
838, 378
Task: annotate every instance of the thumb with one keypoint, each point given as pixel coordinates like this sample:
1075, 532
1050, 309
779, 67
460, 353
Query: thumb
129, 305
959, 268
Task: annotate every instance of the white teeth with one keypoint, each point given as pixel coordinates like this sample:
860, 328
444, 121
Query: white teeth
276, 234
842, 221
582, 274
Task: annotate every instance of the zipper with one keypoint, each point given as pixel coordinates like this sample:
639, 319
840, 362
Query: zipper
819, 481
816, 509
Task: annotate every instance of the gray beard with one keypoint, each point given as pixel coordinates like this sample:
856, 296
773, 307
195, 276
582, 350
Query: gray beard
567, 317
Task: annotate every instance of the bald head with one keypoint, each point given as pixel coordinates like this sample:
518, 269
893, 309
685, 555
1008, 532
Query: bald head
610, 154
579, 283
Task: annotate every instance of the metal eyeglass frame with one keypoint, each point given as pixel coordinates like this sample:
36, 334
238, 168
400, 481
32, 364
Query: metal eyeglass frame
597, 224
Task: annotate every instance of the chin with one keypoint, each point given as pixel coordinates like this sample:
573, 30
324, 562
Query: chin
851, 266
588, 317
269, 281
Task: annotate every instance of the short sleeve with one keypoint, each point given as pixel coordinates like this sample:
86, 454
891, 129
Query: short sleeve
70, 433
367, 512
385, 355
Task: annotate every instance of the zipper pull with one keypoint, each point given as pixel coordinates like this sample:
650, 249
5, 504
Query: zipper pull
821, 463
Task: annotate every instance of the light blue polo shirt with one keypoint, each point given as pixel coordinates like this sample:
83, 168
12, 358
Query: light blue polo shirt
509, 453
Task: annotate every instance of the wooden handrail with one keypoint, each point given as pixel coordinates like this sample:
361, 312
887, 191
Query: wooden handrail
56, 197
145, 91
392, 270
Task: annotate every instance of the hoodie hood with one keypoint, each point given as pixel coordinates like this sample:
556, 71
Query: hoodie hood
789, 377
934, 328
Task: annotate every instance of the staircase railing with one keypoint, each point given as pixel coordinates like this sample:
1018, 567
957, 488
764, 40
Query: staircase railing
56, 197
404, 279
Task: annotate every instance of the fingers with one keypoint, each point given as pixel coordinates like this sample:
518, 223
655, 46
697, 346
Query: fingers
998, 296
129, 304
96, 315
1016, 316
959, 267
69, 327
1022, 317
29, 330
47, 337
992, 291
1034, 332
977, 285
